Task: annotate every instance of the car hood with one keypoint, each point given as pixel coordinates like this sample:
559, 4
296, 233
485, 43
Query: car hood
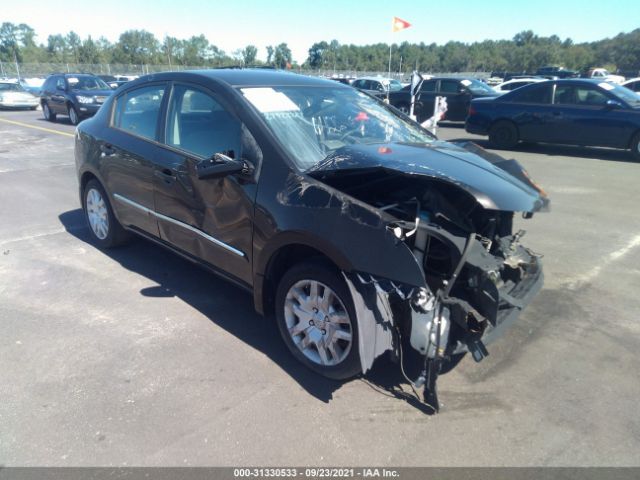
22, 96
93, 93
496, 183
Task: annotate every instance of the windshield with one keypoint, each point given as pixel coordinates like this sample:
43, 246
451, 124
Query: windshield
629, 96
11, 87
86, 83
476, 86
313, 122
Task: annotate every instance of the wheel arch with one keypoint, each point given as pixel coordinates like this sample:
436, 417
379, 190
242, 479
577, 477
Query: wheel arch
635, 134
504, 119
282, 254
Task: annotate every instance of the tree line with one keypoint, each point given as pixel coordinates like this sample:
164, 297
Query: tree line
524, 53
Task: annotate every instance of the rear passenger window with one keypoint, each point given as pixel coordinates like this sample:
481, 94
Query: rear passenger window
449, 86
137, 111
198, 124
539, 94
428, 86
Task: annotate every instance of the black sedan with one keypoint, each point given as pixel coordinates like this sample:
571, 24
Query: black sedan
358, 228
573, 112
458, 91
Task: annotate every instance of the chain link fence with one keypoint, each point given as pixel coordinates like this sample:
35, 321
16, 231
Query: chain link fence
27, 70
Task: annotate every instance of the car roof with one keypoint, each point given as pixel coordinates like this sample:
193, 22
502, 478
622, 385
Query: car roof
245, 77
458, 78
579, 80
527, 79
380, 79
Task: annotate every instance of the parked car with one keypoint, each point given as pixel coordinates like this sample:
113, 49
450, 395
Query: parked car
365, 235
557, 72
633, 84
378, 86
575, 112
78, 95
604, 75
459, 91
516, 83
14, 96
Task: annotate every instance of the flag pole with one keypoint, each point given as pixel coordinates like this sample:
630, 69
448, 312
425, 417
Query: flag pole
390, 47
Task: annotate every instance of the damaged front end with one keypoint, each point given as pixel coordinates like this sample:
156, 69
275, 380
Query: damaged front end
478, 276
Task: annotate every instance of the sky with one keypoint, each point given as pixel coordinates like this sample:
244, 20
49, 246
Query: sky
234, 24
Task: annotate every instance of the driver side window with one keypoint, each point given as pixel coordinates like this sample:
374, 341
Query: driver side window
199, 125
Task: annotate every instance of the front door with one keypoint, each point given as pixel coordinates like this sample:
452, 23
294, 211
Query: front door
458, 99
211, 219
584, 118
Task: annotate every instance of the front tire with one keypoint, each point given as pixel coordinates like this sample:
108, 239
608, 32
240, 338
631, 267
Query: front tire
635, 147
504, 135
105, 229
317, 321
47, 113
74, 118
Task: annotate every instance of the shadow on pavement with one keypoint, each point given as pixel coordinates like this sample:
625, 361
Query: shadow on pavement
608, 154
60, 119
229, 307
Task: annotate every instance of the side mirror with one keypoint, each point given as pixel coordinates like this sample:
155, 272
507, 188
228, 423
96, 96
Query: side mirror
613, 104
221, 165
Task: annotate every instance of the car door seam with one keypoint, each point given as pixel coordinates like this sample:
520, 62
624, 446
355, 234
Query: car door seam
186, 226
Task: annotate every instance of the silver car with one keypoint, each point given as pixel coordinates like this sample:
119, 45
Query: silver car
13, 95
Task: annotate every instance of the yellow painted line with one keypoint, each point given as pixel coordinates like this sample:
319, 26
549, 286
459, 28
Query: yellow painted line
20, 124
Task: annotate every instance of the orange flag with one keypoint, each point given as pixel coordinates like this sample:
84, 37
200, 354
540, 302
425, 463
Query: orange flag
399, 24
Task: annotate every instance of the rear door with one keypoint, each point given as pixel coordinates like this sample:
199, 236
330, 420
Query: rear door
211, 219
532, 112
58, 99
128, 149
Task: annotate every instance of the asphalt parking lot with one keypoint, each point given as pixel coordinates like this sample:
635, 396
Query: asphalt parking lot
136, 357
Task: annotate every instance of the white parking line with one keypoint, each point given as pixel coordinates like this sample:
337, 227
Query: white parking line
580, 280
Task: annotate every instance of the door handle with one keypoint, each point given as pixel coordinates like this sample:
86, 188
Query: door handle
557, 114
107, 149
167, 175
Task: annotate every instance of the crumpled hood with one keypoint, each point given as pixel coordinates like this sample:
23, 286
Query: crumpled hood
496, 183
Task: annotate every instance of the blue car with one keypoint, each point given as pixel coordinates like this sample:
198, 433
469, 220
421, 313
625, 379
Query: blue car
572, 112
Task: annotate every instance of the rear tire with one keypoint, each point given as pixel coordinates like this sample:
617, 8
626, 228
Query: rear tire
303, 316
635, 147
503, 134
105, 229
47, 113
